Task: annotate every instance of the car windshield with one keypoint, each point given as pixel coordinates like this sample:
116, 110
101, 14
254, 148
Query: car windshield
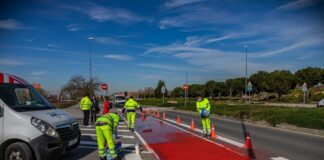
23, 98
120, 98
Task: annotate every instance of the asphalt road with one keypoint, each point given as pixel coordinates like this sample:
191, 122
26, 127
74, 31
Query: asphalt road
267, 142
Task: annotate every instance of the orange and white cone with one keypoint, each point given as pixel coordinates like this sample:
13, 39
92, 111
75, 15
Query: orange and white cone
178, 121
248, 143
164, 116
158, 114
192, 124
213, 132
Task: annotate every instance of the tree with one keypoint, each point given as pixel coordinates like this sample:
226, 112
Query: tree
77, 86
235, 85
177, 92
157, 91
196, 89
310, 75
281, 81
259, 81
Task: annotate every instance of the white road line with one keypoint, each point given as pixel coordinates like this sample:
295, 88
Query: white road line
120, 136
123, 130
278, 158
87, 129
238, 144
133, 156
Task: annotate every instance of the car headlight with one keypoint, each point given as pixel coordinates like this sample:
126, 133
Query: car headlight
44, 127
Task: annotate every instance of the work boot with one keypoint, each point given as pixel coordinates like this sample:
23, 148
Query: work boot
103, 158
132, 129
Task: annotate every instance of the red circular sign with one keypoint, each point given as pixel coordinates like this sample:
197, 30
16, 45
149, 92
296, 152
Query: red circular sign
185, 87
104, 86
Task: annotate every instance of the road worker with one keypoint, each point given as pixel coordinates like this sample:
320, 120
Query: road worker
203, 107
130, 106
85, 106
106, 125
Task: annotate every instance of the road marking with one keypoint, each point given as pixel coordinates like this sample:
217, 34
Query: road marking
238, 144
87, 129
278, 158
123, 130
133, 156
119, 136
87, 147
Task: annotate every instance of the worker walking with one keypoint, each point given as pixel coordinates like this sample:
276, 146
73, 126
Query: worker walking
203, 107
130, 106
106, 125
85, 106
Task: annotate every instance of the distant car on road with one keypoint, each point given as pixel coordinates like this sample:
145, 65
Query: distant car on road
119, 100
320, 103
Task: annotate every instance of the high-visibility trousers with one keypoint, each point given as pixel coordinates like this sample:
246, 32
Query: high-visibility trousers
105, 136
206, 125
131, 119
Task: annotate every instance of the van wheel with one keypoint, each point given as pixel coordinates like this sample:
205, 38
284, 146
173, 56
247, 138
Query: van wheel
18, 151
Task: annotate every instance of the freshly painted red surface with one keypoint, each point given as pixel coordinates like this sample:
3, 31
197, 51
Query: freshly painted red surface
171, 143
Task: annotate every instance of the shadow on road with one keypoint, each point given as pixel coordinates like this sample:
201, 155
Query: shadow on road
250, 151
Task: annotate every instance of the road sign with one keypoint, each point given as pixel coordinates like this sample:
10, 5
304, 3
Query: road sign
185, 87
104, 86
163, 89
304, 87
249, 87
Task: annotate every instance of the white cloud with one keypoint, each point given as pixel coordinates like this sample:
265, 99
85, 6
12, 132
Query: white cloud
10, 62
75, 27
198, 41
108, 41
52, 45
162, 66
177, 3
296, 5
301, 44
10, 24
118, 57
38, 73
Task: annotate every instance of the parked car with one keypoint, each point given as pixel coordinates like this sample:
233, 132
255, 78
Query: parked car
320, 103
31, 127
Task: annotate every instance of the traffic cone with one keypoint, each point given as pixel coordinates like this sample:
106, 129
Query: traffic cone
158, 114
163, 115
213, 133
248, 143
178, 121
192, 124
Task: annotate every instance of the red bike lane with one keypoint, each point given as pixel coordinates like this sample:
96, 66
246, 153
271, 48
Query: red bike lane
170, 143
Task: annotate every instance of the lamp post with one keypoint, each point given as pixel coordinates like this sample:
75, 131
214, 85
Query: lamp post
90, 65
245, 46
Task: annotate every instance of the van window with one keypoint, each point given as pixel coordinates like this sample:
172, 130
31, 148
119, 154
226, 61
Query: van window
120, 98
23, 98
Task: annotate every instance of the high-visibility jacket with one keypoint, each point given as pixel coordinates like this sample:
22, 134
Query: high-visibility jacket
85, 103
131, 104
112, 119
204, 104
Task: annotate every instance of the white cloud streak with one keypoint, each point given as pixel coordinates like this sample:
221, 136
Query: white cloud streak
296, 5
118, 57
38, 73
162, 66
10, 62
178, 3
11, 24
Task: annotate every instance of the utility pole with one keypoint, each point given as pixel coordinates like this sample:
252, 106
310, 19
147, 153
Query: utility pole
90, 66
186, 91
245, 72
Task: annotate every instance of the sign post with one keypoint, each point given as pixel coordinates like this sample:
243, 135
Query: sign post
186, 88
304, 89
249, 89
163, 90
104, 87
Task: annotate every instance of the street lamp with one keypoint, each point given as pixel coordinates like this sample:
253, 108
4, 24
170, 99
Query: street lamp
245, 46
90, 65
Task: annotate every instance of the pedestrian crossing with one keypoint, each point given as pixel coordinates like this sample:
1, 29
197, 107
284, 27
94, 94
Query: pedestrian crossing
128, 139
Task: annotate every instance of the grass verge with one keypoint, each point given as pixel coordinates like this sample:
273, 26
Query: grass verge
302, 117
67, 104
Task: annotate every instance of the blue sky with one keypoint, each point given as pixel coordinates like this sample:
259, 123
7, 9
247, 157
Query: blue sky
139, 42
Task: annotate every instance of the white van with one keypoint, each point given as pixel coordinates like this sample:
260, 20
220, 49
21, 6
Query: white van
119, 100
30, 127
